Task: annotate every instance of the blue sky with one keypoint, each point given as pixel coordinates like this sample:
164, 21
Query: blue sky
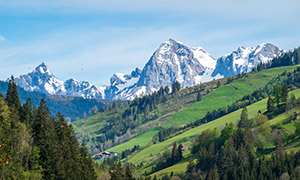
104, 37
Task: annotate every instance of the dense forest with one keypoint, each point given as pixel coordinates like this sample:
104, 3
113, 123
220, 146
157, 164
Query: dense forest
36, 145
72, 108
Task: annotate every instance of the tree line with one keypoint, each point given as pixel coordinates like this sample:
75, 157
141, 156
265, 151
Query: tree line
36, 145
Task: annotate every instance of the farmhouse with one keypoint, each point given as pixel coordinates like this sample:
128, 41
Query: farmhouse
105, 155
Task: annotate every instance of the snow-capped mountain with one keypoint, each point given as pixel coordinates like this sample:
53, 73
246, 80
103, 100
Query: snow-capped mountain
172, 61
42, 80
119, 82
244, 59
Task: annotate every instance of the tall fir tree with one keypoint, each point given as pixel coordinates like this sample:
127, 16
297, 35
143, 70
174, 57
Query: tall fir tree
277, 93
86, 164
244, 121
284, 93
199, 96
117, 173
12, 97
270, 106
128, 173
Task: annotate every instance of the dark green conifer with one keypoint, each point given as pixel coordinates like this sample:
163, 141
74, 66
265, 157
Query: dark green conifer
128, 173
117, 173
244, 121
12, 97
277, 93
284, 93
270, 106
199, 96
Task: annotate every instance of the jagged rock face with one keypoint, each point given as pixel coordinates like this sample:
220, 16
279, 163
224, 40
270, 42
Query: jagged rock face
245, 59
42, 80
83, 89
172, 62
119, 82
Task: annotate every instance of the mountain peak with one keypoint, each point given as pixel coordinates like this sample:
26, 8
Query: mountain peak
43, 69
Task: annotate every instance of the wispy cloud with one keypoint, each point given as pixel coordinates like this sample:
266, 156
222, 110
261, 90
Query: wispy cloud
252, 8
104, 37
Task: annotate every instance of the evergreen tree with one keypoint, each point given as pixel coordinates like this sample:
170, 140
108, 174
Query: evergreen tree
179, 154
214, 174
117, 173
26, 114
174, 153
277, 93
5, 136
218, 84
87, 166
12, 97
270, 106
244, 121
128, 173
199, 96
279, 143
284, 94
167, 90
175, 87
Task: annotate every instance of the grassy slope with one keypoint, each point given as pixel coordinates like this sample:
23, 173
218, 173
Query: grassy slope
226, 95
199, 109
142, 141
187, 136
233, 117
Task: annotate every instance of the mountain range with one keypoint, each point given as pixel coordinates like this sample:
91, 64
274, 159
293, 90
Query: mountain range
172, 61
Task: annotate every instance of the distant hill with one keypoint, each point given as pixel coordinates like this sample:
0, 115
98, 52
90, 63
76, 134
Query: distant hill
69, 106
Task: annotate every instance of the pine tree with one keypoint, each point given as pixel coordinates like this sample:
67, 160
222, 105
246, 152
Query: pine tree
284, 94
5, 136
26, 114
175, 87
117, 173
179, 154
218, 84
270, 106
199, 96
128, 173
41, 123
277, 93
214, 173
244, 121
167, 90
86, 163
279, 143
12, 97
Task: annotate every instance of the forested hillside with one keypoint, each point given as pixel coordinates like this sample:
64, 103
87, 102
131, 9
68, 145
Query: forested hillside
36, 145
68, 106
207, 118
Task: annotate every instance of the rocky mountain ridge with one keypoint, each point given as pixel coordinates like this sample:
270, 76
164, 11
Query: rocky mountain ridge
172, 61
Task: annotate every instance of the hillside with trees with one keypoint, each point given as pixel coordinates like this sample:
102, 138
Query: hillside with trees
256, 138
72, 108
36, 145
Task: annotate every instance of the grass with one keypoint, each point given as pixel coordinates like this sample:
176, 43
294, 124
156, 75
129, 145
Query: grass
142, 140
178, 168
226, 95
188, 136
180, 109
